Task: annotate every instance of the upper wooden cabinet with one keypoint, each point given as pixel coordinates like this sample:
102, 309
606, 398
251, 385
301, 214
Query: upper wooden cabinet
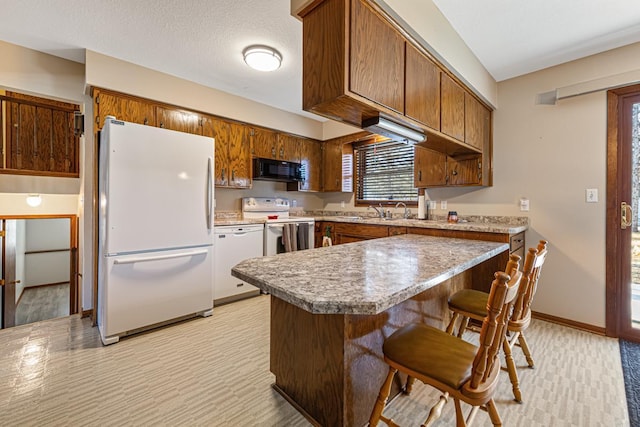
429, 168
477, 123
332, 166
289, 148
264, 143
422, 89
452, 111
179, 120
41, 138
232, 152
376, 67
122, 107
358, 63
311, 160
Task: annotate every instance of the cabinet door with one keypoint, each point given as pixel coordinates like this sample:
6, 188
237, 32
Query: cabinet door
376, 58
465, 171
215, 128
429, 168
122, 108
347, 233
422, 89
452, 112
239, 156
264, 143
332, 167
311, 159
289, 147
182, 121
477, 122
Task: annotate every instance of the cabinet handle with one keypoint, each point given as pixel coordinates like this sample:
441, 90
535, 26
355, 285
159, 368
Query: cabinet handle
420, 176
454, 173
233, 175
282, 153
146, 122
222, 174
273, 151
161, 124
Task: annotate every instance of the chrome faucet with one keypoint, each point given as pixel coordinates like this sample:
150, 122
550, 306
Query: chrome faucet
379, 210
406, 210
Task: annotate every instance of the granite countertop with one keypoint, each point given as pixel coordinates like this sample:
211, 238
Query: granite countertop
475, 224
364, 277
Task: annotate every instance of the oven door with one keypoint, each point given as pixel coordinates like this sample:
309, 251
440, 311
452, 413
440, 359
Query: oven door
273, 244
273, 239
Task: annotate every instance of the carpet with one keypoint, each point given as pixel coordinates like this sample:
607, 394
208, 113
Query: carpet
630, 355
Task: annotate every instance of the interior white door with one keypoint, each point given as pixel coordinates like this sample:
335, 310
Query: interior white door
156, 188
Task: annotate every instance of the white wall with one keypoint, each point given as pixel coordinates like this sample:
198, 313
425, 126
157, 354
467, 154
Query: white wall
20, 257
48, 267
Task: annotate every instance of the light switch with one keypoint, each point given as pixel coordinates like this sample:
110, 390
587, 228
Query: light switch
591, 195
443, 205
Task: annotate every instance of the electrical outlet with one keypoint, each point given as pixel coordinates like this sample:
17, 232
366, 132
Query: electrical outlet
524, 205
433, 205
342, 204
443, 205
591, 195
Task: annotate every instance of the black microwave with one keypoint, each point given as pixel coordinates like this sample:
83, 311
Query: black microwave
276, 170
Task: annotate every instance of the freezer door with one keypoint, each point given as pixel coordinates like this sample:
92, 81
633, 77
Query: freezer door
144, 289
156, 188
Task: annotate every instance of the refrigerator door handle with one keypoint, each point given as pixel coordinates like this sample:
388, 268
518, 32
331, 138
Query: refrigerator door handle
159, 257
209, 193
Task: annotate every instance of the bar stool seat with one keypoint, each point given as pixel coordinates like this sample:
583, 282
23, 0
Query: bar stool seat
470, 301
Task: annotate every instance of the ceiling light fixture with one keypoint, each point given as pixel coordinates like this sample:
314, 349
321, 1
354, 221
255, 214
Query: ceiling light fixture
385, 127
34, 200
262, 58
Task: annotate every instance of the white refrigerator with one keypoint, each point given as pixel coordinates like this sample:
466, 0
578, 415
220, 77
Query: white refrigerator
155, 227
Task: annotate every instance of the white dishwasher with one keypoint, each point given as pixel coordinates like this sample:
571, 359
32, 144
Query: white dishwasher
234, 243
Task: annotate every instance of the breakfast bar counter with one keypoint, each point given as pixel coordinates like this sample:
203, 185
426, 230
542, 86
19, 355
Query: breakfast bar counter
331, 309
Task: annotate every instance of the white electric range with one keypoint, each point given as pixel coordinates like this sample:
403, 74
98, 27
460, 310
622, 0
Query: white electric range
275, 212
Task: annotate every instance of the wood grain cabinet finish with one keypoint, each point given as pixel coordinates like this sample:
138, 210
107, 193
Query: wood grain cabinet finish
264, 143
332, 166
429, 168
477, 123
288, 148
464, 171
452, 112
39, 136
349, 232
422, 88
232, 152
311, 159
122, 107
376, 66
179, 120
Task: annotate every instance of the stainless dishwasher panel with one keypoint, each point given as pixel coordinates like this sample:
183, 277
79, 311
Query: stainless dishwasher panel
233, 244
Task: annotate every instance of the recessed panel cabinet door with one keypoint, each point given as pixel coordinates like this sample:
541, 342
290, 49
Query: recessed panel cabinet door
452, 113
181, 121
122, 108
429, 168
422, 89
264, 143
377, 58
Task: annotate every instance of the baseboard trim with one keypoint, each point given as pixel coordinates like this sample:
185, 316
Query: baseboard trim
87, 313
570, 323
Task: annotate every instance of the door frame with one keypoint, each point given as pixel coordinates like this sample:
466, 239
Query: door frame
74, 276
618, 186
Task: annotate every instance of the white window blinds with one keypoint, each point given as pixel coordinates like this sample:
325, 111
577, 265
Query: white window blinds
384, 172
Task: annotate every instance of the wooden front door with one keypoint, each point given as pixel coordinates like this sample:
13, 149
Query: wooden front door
623, 226
8, 238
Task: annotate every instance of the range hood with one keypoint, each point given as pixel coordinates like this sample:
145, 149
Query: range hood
394, 130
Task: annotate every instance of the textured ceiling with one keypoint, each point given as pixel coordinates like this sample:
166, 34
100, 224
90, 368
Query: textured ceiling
202, 40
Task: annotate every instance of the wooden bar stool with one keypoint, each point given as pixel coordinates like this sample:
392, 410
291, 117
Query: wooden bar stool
459, 369
471, 304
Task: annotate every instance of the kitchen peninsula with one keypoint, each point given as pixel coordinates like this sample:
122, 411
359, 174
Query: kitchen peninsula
331, 309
